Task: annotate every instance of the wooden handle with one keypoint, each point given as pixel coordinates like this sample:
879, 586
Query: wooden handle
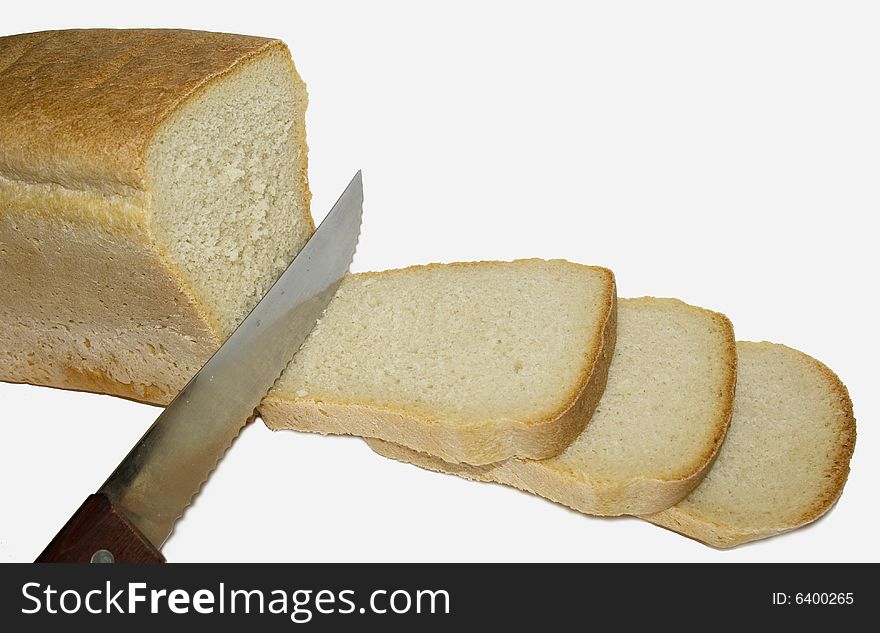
99, 533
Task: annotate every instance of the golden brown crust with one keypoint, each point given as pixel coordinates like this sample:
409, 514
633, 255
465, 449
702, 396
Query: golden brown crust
700, 529
725, 398
94, 380
838, 470
99, 381
78, 107
493, 441
690, 522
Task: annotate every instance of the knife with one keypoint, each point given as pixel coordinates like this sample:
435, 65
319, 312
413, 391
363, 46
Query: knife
133, 513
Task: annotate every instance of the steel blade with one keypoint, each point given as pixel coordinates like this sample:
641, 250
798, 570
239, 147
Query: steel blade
163, 472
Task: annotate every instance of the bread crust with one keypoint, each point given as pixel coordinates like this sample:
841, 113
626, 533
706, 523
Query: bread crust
79, 107
135, 334
491, 441
690, 522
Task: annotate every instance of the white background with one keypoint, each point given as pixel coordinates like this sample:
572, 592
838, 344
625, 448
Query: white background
723, 153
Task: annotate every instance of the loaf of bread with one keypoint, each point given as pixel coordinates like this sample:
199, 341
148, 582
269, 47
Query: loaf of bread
474, 362
656, 429
786, 457
152, 187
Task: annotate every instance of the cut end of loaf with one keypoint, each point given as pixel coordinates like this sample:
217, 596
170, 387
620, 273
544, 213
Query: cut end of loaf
786, 457
229, 175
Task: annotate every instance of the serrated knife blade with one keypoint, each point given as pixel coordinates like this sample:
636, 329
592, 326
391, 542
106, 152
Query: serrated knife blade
158, 479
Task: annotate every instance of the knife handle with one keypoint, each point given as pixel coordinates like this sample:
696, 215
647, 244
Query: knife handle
99, 533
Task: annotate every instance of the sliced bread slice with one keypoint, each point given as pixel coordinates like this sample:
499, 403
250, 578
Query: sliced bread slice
656, 429
786, 457
474, 362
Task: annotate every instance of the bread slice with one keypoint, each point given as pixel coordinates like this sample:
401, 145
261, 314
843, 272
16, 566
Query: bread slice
786, 457
152, 187
656, 429
476, 362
